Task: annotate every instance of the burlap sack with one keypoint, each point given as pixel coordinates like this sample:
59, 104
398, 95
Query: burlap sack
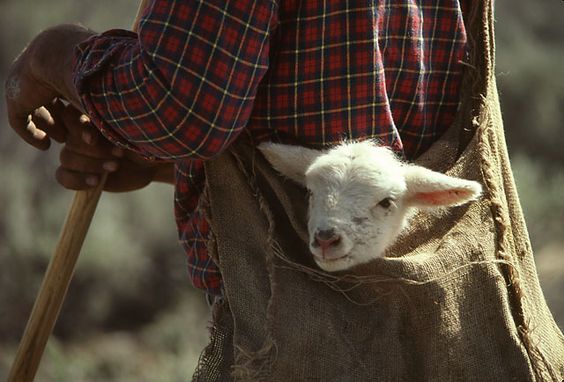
457, 299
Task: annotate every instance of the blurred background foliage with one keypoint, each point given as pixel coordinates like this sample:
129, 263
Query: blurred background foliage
131, 314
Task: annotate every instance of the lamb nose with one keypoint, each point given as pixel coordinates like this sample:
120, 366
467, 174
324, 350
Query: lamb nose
327, 238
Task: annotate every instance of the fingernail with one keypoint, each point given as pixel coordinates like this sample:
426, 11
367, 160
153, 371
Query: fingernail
84, 119
87, 137
92, 180
118, 152
110, 166
39, 134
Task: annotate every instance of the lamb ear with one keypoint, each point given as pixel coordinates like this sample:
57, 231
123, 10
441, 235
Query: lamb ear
290, 161
426, 188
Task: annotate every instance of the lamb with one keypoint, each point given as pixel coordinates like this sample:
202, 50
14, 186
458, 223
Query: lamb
361, 197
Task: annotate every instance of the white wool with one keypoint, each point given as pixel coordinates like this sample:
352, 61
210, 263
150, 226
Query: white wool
363, 195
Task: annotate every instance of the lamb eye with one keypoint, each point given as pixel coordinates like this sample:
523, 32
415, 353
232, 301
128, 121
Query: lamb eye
386, 203
357, 220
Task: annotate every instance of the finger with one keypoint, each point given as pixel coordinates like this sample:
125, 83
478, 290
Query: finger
83, 131
38, 134
89, 133
26, 129
95, 145
129, 177
45, 121
57, 129
73, 161
101, 150
75, 180
80, 127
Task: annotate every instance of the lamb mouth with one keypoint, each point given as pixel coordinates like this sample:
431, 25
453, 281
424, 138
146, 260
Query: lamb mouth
326, 260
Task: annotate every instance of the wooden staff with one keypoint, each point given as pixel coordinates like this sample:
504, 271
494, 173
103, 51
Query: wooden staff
57, 277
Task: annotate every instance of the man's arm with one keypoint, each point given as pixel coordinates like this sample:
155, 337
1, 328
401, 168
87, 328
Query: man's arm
44, 71
183, 87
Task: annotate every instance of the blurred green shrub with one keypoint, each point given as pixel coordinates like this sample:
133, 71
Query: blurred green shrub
531, 77
131, 283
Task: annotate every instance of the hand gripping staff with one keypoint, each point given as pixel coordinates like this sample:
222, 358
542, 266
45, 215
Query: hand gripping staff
57, 277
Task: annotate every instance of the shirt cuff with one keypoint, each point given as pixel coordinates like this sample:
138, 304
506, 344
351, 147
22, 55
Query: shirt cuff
90, 61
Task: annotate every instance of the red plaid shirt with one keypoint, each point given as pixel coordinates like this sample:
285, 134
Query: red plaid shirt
309, 73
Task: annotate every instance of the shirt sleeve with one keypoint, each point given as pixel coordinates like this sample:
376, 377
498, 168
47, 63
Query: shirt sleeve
193, 227
184, 86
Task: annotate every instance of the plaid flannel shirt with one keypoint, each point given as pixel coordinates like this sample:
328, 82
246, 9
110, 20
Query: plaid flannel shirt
303, 72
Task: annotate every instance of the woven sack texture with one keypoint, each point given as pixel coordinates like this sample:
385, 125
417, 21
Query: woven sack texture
457, 298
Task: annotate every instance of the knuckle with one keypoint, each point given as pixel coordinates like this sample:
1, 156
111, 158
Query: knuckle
12, 87
65, 156
62, 178
70, 180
